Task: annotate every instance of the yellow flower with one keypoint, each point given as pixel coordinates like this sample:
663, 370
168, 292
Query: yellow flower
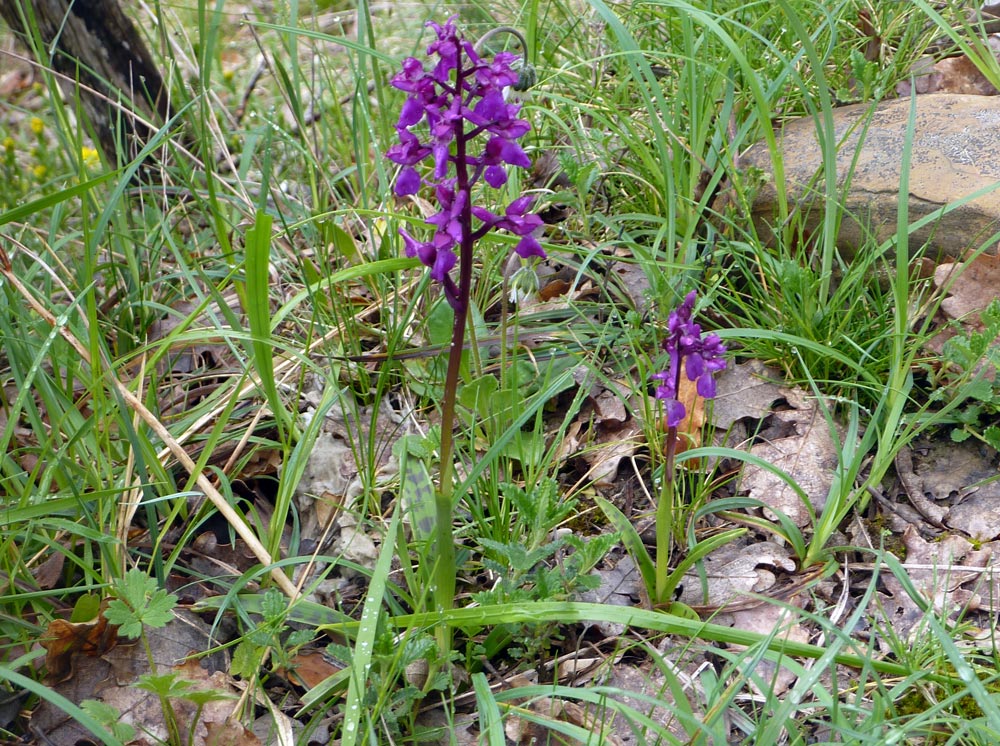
37, 125
9, 145
39, 171
89, 157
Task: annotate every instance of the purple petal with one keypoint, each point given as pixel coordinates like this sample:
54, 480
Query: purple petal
706, 386
528, 247
495, 176
514, 154
427, 254
410, 244
524, 226
441, 152
410, 113
409, 77
408, 182
675, 412
443, 264
491, 108
512, 129
668, 388
695, 366
481, 213
519, 206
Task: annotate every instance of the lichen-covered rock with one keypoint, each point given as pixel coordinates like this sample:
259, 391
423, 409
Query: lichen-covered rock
955, 152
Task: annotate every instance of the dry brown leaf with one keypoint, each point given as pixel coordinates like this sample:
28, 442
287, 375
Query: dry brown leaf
950, 75
63, 641
620, 586
608, 450
731, 572
809, 455
747, 390
553, 290
111, 677
15, 80
354, 546
309, 668
938, 569
229, 733
953, 485
763, 620
331, 479
978, 516
690, 428
609, 409
526, 732
616, 433
48, 573
648, 684
941, 555
635, 281
974, 285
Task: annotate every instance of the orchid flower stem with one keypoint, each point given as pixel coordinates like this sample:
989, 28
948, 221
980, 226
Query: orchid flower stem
444, 566
444, 569
665, 519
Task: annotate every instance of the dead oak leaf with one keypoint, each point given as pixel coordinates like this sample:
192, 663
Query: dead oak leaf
747, 390
63, 641
950, 75
973, 287
939, 567
809, 456
534, 730
764, 619
732, 572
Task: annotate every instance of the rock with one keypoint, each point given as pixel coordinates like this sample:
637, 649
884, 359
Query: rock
955, 152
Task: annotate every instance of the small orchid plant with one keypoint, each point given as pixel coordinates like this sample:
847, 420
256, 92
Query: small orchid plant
701, 357
458, 117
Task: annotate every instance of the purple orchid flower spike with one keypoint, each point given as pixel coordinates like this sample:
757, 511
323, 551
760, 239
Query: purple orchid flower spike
702, 358
472, 132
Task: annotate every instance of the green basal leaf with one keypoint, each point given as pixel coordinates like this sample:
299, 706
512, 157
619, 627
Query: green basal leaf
140, 602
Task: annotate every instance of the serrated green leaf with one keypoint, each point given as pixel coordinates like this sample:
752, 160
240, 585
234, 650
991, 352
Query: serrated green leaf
300, 637
202, 697
165, 684
139, 601
110, 718
980, 389
119, 613
960, 436
992, 436
159, 609
246, 660
273, 606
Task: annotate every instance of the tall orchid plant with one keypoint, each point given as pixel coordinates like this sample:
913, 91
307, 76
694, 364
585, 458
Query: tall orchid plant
459, 119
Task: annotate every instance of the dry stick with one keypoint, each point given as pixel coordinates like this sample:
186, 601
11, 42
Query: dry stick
227, 511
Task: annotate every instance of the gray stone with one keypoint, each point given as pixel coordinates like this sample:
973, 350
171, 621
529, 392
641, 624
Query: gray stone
955, 152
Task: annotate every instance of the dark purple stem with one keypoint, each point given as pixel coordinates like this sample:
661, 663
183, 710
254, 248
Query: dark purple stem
665, 507
444, 574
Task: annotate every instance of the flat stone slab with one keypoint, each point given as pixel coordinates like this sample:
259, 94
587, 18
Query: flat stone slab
955, 152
